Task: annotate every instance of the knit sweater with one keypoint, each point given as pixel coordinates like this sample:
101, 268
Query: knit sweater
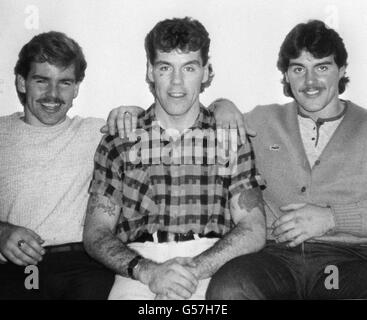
45, 174
338, 179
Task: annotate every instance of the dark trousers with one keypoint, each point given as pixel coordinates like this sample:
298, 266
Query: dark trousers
71, 275
308, 271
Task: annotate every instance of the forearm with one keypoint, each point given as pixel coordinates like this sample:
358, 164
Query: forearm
105, 247
99, 235
240, 241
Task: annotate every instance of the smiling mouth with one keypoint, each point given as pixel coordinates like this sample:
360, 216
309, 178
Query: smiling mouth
51, 107
176, 95
312, 92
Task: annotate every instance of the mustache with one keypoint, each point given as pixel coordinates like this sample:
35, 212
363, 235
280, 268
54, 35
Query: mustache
307, 88
51, 100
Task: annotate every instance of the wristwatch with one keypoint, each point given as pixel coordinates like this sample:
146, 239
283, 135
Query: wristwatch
132, 265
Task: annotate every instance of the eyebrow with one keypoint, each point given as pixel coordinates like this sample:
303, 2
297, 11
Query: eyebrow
291, 64
196, 62
36, 76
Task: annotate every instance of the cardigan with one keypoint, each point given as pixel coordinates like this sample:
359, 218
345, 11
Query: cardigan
338, 179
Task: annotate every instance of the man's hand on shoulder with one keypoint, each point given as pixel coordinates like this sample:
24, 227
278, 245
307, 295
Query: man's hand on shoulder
229, 117
123, 120
20, 245
169, 280
302, 222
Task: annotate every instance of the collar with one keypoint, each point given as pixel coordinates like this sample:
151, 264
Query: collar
320, 121
204, 120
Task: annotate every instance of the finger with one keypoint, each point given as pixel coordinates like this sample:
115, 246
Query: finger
18, 253
219, 124
186, 261
298, 240
248, 129
134, 110
104, 129
187, 278
18, 257
15, 259
120, 123
111, 122
283, 228
36, 236
225, 139
241, 130
180, 291
171, 295
127, 121
289, 235
283, 219
292, 207
34, 242
134, 122
30, 252
3, 259
233, 136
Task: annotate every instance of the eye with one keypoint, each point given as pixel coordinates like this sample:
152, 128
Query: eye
189, 68
298, 69
66, 83
323, 68
163, 68
41, 81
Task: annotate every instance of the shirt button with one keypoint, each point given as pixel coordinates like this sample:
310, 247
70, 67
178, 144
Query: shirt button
303, 189
317, 162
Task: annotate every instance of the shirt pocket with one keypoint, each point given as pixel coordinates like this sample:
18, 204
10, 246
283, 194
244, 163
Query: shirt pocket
137, 194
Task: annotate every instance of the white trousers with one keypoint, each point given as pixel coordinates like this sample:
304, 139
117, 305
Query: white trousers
128, 289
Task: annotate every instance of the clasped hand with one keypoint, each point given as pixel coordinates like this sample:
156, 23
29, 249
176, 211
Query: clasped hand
173, 279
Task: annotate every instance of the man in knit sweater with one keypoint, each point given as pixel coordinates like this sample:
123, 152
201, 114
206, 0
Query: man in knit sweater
312, 153
46, 163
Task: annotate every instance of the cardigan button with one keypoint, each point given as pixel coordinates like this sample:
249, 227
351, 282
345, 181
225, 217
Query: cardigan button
303, 189
317, 162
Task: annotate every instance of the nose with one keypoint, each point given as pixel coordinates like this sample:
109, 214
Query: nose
310, 77
177, 77
52, 91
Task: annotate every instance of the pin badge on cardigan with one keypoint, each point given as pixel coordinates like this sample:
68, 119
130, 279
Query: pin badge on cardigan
274, 147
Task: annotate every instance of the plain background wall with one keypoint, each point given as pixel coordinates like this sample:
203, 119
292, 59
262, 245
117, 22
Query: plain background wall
246, 36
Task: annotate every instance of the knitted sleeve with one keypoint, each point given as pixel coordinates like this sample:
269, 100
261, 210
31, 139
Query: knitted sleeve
351, 218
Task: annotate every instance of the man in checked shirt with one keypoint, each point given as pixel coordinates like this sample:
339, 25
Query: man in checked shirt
165, 222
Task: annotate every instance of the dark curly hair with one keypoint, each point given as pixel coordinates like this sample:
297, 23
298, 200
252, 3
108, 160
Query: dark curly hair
319, 40
185, 34
52, 47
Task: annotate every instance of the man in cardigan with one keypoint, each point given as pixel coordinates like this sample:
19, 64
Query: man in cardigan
313, 154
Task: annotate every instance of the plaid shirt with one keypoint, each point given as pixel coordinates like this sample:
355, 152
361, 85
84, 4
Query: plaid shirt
159, 187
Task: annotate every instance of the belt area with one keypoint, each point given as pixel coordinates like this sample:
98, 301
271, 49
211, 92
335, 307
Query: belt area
75, 246
165, 236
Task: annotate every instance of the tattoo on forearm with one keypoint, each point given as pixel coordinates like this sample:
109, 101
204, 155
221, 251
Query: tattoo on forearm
111, 251
250, 199
95, 203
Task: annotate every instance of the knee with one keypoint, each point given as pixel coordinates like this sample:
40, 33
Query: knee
232, 282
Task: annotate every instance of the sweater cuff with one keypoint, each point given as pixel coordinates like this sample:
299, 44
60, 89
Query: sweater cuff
348, 218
